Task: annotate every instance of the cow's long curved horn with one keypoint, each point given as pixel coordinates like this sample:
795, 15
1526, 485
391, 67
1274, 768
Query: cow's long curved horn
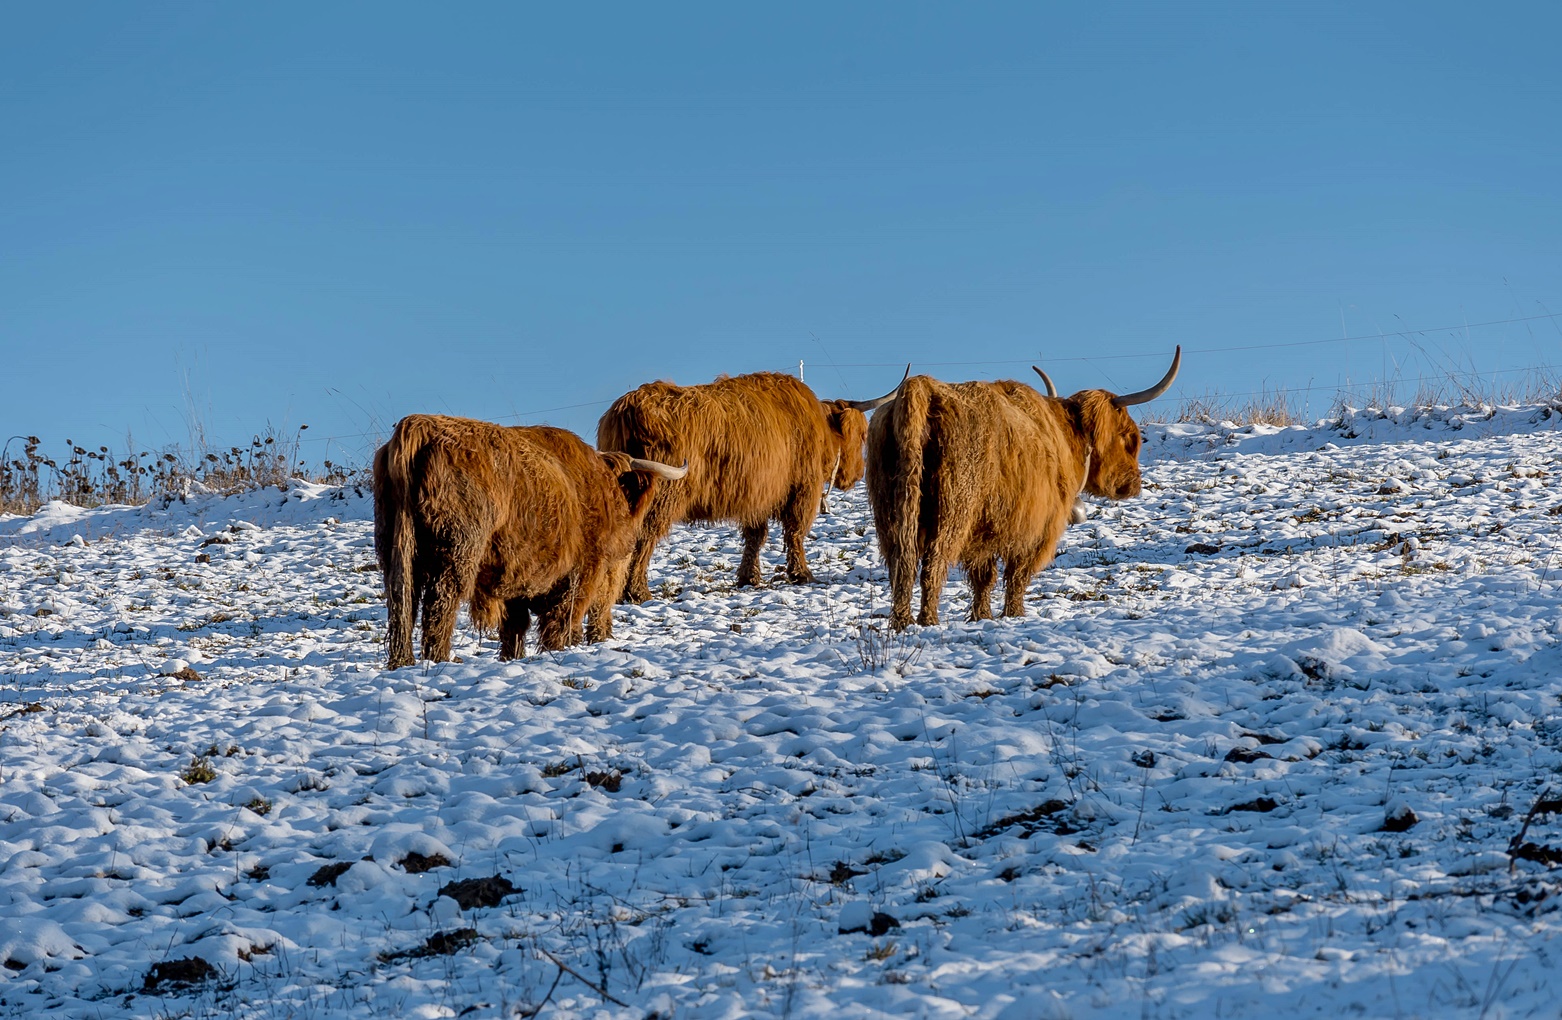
1145, 396
1046, 380
868, 405
657, 468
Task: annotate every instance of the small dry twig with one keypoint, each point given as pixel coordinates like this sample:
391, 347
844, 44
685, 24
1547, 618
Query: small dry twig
1544, 804
572, 972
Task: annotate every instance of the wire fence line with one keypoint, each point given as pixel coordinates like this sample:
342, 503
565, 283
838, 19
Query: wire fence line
1422, 381
89, 477
1366, 337
1405, 333
1224, 395
1221, 396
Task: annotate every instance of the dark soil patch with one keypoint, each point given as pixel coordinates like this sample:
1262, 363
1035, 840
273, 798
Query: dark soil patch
444, 943
1400, 820
183, 973
416, 864
329, 873
479, 892
1031, 820
1550, 856
881, 923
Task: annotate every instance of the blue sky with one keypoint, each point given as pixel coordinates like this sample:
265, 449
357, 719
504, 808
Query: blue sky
240, 216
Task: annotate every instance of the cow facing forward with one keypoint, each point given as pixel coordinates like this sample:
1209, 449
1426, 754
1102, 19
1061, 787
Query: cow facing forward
759, 447
513, 520
981, 472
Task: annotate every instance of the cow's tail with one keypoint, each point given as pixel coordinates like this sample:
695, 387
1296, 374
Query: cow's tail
898, 514
395, 541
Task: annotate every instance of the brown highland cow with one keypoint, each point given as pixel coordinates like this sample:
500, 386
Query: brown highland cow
759, 447
978, 472
513, 520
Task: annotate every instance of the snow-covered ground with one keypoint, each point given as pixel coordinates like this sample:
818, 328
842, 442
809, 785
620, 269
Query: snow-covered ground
1265, 744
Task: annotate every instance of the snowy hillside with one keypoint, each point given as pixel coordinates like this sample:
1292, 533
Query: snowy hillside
1268, 742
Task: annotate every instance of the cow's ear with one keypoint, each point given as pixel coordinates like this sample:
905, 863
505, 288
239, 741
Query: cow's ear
637, 486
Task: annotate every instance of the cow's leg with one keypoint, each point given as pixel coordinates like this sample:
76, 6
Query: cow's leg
512, 630
935, 573
599, 614
982, 574
658, 522
1017, 573
936, 556
448, 586
553, 628
637, 587
902, 564
947, 516
599, 621
558, 622
900, 593
753, 540
1016, 578
797, 516
576, 603
943, 548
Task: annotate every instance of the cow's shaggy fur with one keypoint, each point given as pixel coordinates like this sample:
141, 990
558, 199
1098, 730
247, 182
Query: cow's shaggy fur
759, 447
981, 472
513, 520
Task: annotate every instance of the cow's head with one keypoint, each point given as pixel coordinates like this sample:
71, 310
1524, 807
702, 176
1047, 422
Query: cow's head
848, 420
848, 432
637, 479
1112, 437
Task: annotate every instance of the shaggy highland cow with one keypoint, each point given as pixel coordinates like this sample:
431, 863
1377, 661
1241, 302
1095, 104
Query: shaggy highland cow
513, 520
981, 472
759, 447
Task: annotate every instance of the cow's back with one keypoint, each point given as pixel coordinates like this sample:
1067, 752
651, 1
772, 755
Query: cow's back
748, 441
502, 495
601, 513
1026, 468
985, 454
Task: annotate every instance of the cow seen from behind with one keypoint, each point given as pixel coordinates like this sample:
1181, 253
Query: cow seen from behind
983, 473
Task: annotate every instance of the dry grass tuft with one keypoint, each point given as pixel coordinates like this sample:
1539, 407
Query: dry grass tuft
30, 478
1283, 407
